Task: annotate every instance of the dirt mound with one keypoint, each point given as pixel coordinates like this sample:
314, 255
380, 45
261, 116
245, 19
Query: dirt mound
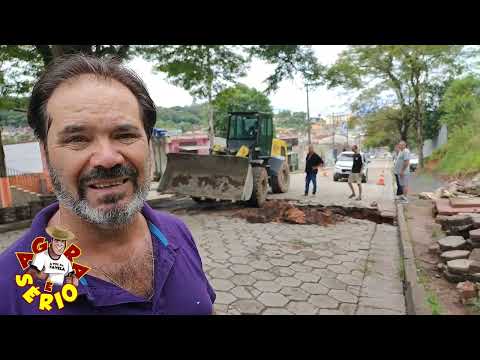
283, 212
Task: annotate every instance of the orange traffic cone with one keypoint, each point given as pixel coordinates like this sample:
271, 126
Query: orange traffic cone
381, 180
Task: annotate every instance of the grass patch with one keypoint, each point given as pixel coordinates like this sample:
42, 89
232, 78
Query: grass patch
401, 269
475, 306
432, 298
461, 155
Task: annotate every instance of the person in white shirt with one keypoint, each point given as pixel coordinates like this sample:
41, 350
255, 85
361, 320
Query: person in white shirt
402, 171
52, 265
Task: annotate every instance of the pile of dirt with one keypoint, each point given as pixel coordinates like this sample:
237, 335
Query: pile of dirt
279, 211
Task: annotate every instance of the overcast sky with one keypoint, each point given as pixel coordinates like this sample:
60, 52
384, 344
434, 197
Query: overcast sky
291, 95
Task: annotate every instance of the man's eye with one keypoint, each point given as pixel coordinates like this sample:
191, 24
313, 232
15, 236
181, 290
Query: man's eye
76, 139
127, 136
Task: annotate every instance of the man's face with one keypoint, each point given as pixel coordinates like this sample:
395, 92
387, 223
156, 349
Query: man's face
97, 150
354, 148
310, 149
58, 246
402, 146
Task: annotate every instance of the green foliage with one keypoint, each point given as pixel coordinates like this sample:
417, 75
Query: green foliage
461, 155
185, 118
408, 76
289, 60
203, 70
460, 100
294, 120
237, 98
13, 118
381, 128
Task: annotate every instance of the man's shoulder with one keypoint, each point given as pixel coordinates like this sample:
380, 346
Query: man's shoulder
9, 268
172, 226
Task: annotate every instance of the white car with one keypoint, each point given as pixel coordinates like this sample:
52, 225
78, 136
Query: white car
343, 166
413, 162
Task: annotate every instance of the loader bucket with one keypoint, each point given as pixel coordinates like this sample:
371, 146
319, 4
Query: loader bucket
216, 177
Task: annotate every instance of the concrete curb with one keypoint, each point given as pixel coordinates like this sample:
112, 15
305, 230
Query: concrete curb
415, 295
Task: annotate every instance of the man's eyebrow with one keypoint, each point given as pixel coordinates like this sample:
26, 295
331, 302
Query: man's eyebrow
70, 129
127, 127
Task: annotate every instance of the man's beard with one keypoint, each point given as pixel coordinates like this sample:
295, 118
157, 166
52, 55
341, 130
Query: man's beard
116, 217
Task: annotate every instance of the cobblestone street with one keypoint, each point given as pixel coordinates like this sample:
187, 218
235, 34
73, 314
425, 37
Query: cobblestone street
352, 267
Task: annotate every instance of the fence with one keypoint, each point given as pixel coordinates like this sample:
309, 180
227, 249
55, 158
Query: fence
36, 182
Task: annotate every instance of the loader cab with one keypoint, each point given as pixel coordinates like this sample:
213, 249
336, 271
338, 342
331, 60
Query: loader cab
253, 129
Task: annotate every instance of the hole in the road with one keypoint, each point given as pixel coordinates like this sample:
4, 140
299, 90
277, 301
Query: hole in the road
285, 212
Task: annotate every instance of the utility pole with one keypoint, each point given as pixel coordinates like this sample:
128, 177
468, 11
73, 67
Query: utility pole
308, 119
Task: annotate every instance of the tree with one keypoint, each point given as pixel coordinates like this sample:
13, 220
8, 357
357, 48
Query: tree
203, 70
237, 98
295, 120
405, 71
460, 101
291, 60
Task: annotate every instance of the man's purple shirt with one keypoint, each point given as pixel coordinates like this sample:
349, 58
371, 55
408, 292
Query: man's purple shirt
181, 287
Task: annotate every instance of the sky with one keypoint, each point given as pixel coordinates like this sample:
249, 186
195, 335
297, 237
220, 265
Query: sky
291, 94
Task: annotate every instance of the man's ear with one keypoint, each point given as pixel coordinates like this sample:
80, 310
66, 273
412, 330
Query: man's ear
43, 154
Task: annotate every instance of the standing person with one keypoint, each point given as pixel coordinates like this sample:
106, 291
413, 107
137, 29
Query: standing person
312, 163
94, 119
395, 156
402, 171
356, 174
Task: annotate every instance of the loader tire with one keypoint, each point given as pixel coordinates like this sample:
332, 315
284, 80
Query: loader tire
281, 182
260, 186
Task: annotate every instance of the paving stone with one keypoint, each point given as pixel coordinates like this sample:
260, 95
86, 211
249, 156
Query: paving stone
324, 253
272, 299
348, 309
241, 269
315, 289
300, 268
309, 254
263, 275
460, 266
222, 284
282, 271
330, 261
334, 284
288, 281
317, 264
241, 292
354, 290
274, 254
248, 307
255, 292
277, 311
221, 273
280, 262
325, 273
302, 308
349, 279
289, 250
261, 265
239, 252
395, 302
267, 286
452, 243
339, 269
224, 298
475, 255
294, 258
330, 312
323, 301
352, 266
343, 296
307, 277
239, 260
367, 310
294, 293
242, 280
454, 255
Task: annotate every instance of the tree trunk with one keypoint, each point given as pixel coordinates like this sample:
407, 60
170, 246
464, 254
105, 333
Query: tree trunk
3, 167
211, 132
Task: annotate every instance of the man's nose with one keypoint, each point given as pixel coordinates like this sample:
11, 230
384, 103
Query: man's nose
106, 155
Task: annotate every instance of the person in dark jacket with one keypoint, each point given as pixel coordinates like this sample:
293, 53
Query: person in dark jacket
312, 163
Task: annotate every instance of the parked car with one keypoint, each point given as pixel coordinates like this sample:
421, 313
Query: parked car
343, 166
